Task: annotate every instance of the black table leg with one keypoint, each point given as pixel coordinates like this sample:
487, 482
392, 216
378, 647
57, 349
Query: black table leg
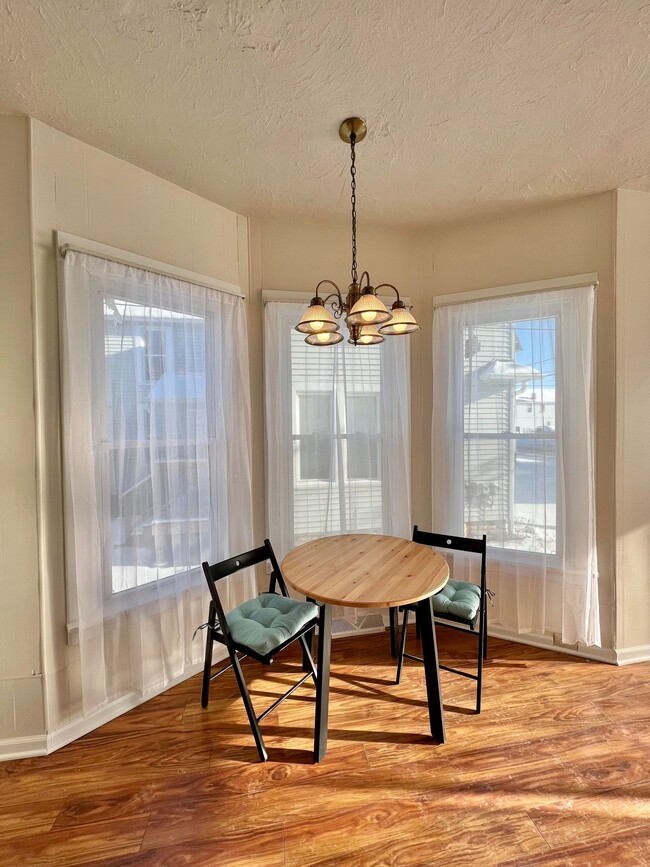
323, 681
431, 673
392, 614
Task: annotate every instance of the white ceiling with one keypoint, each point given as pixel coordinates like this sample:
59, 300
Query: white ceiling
472, 105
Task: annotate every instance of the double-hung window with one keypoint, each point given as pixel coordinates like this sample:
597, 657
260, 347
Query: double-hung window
510, 462
513, 450
155, 391
337, 434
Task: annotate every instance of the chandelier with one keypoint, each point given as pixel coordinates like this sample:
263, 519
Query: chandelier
366, 316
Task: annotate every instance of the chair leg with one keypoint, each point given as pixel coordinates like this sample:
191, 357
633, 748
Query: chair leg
479, 681
250, 711
485, 635
393, 618
482, 653
207, 665
308, 661
402, 645
306, 641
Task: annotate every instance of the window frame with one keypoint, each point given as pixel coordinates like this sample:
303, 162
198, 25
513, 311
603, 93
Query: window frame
519, 555
116, 602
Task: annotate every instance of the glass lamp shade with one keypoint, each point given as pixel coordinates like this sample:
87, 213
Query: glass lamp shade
368, 335
324, 338
369, 310
315, 319
403, 322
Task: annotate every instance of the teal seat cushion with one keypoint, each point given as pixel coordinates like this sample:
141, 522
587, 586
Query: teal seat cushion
459, 600
268, 621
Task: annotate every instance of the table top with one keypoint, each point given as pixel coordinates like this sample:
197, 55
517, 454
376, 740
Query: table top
365, 571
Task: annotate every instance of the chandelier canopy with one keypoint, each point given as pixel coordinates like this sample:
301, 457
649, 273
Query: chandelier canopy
366, 316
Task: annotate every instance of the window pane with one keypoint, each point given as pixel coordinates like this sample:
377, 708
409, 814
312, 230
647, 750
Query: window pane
156, 441
510, 463
315, 418
363, 436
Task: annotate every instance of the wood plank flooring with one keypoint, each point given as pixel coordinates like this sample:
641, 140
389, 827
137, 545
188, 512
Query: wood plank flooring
555, 771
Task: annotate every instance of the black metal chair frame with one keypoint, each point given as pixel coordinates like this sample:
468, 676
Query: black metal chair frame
457, 543
217, 631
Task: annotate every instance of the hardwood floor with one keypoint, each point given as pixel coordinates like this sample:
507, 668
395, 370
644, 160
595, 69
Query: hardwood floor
555, 771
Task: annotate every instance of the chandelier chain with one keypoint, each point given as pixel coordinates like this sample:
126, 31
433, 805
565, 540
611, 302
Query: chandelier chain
353, 200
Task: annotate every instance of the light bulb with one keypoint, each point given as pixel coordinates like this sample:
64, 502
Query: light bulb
369, 315
323, 337
399, 327
316, 326
365, 338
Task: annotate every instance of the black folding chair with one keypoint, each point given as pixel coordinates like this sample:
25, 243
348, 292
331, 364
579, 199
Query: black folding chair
259, 628
459, 602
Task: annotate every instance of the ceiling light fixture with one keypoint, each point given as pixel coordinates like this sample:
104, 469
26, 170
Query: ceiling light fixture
366, 315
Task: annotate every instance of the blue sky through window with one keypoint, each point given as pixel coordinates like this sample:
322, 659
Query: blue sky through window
537, 347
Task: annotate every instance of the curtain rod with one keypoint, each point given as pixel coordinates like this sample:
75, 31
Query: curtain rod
66, 242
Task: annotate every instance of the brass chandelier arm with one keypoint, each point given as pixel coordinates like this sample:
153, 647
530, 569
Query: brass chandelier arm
367, 276
389, 286
331, 283
338, 304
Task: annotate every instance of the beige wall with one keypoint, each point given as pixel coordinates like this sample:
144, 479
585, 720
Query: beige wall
21, 699
560, 240
633, 421
82, 190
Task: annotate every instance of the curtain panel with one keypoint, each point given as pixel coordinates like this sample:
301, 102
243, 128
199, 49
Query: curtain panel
157, 468
513, 454
337, 435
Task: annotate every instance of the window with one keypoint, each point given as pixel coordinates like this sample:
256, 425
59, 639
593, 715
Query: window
510, 460
336, 437
337, 434
156, 441
155, 368
513, 453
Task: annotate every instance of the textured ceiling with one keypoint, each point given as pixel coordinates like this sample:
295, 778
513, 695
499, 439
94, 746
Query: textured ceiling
472, 105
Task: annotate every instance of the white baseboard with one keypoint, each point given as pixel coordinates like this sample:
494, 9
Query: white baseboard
599, 654
23, 748
80, 727
629, 655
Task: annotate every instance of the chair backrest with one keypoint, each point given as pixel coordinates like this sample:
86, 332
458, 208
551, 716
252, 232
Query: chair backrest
456, 543
228, 567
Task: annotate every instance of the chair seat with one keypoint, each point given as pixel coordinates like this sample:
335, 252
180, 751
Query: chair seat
459, 600
264, 623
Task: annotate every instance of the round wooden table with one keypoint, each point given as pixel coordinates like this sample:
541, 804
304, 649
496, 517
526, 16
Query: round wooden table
366, 571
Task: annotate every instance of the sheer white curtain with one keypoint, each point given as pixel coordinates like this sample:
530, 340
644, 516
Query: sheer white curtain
156, 424
337, 434
513, 454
